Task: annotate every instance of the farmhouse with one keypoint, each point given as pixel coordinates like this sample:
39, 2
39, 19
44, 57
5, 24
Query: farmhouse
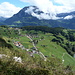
18, 44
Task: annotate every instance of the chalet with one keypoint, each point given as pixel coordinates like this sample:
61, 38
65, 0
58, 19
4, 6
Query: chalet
18, 44
74, 55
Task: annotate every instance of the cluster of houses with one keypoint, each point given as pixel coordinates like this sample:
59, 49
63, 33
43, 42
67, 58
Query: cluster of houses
18, 44
33, 51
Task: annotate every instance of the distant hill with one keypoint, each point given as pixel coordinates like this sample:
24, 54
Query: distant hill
2, 19
34, 16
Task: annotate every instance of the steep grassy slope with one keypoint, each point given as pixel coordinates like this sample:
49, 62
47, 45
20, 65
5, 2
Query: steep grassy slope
45, 43
52, 48
53, 51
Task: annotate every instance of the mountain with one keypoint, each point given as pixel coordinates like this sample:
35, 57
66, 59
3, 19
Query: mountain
34, 16
2, 19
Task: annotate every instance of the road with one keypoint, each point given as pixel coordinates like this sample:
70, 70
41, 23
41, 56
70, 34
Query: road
40, 53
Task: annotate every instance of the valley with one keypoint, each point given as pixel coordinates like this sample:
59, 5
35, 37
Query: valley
34, 47
37, 37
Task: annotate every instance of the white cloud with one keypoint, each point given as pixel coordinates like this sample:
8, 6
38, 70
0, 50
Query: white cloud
45, 5
43, 15
70, 3
69, 17
29, 10
67, 5
7, 9
53, 6
48, 6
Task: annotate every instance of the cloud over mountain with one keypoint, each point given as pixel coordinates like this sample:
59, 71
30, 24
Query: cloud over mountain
7, 9
54, 6
36, 12
69, 17
51, 7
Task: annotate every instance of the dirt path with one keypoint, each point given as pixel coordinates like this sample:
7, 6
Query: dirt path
63, 58
32, 41
40, 53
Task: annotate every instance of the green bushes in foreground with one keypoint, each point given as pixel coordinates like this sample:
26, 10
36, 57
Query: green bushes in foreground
30, 65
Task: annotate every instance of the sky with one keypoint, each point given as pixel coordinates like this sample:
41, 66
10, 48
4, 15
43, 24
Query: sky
10, 7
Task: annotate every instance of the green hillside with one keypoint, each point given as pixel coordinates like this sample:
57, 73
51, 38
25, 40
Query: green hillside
22, 18
34, 46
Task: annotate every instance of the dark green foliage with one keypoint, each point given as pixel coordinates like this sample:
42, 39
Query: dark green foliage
41, 68
58, 37
4, 44
35, 42
68, 46
55, 31
69, 35
9, 41
44, 29
73, 48
42, 37
55, 40
5, 26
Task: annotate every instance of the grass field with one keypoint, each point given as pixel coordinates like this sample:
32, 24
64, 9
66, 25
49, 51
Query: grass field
51, 49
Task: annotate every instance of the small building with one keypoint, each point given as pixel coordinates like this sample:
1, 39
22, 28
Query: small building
74, 55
